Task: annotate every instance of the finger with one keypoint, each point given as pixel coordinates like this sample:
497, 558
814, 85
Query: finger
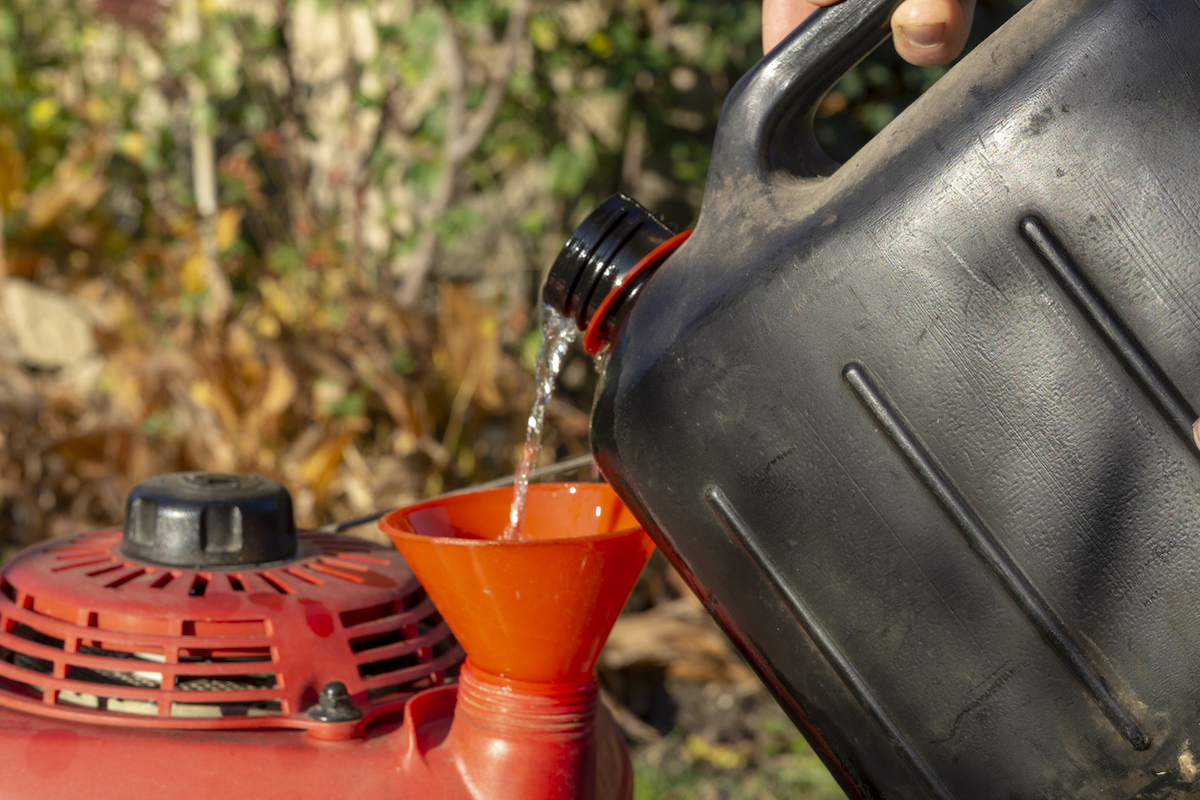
926, 32
780, 17
931, 32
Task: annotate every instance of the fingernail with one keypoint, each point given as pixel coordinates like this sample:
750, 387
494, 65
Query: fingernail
924, 35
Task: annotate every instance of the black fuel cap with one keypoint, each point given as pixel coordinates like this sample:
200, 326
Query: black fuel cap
600, 253
209, 519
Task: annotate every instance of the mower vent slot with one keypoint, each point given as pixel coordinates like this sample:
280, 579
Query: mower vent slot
199, 586
163, 580
106, 570
27, 662
112, 677
358, 616
276, 583
87, 562
9, 591
119, 582
226, 683
235, 583
382, 640
116, 705
363, 559
304, 576
373, 668
325, 569
82, 553
436, 678
78, 543
400, 634
29, 634
261, 708
405, 632
147, 654
233, 627
20, 689
248, 655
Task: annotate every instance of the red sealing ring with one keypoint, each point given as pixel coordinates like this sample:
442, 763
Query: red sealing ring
592, 342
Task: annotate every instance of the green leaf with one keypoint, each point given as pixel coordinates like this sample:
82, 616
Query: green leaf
458, 221
423, 176
424, 27
568, 170
402, 361
254, 119
876, 116
285, 258
354, 404
532, 223
159, 423
543, 32
853, 85
877, 74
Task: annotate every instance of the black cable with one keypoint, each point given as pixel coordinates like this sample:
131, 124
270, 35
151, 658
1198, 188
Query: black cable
537, 474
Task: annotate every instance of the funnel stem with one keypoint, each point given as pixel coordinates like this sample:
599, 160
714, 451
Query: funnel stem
515, 740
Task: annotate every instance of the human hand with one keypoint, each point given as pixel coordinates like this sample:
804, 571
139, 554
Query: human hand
925, 32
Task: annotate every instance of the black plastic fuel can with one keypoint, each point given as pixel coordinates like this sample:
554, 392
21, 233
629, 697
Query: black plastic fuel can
918, 428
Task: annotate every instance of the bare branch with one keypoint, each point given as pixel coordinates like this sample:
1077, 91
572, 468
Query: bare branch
463, 136
291, 131
204, 180
3, 261
485, 115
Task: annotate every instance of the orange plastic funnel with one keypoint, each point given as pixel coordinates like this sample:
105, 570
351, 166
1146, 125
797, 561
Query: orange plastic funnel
537, 609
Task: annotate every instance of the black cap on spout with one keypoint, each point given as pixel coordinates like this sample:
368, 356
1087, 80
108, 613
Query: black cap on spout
209, 519
603, 249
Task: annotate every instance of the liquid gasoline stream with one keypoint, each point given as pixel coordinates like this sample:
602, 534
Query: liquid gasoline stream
557, 334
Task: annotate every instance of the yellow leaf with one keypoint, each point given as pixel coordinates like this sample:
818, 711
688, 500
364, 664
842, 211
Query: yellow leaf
132, 145
318, 469
95, 109
278, 301
124, 385
207, 395
719, 756
42, 112
47, 203
275, 393
12, 169
194, 275
77, 184
229, 226
267, 326
543, 33
600, 44
281, 390
202, 394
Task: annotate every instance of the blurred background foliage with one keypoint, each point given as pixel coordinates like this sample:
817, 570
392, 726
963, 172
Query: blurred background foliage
304, 238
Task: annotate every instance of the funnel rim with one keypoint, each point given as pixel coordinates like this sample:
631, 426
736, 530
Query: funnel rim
465, 542
389, 526
533, 610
